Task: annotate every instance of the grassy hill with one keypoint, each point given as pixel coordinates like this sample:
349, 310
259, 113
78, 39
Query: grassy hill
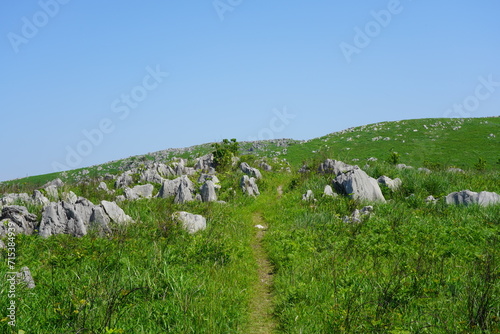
411, 267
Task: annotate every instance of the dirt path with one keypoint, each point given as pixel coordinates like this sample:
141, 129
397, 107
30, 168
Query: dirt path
261, 305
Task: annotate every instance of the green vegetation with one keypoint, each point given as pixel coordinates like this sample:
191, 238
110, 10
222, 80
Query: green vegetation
410, 267
224, 153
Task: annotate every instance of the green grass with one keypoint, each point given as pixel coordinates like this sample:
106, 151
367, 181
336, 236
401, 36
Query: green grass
411, 267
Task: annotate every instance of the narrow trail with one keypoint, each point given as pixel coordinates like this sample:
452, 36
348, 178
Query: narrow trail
261, 305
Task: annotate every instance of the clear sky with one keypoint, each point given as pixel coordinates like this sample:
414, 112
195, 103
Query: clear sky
86, 82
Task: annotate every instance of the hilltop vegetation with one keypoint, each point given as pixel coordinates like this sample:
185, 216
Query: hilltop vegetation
412, 266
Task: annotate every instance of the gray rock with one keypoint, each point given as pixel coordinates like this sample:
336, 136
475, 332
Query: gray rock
205, 177
39, 199
455, 170
391, 184
142, 191
250, 171
2, 245
308, 196
265, 166
204, 163
180, 168
208, 192
52, 192
58, 183
334, 167
151, 176
372, 159
115, 213
357, 184
62, 218
357, 215
104, 187
329, 191
304, 169
69, 197
169, 188
190, 222
430, 199
24, 277
467, 197
10, 199
124, 180
249, 186
424, 170
100, 220
185, 191
24, 222
403, 166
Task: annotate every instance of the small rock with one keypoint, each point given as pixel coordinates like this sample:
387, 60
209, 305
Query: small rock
190, 222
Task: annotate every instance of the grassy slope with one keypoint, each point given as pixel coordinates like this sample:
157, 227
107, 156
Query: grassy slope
410, 268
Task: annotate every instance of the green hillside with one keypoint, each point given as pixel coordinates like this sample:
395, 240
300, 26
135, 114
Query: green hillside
414, 265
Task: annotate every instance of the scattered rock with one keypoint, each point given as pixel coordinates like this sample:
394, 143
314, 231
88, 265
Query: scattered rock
69, 197
329, 191
137, 192
455, 170
185, 191
250, 171
205, 177
205, 163
424, 170
24, 277
115, 213
391, 184
169, 188
190, 222
466, 197
357, 215
10, 199
104, 187
208, 192
2, 245
24, 222
58, 183
403, 166
265, 166
357, 184
260, 227
308, 196
304, 169
52, 192
430, 199
249, 186
372, 159
124, 180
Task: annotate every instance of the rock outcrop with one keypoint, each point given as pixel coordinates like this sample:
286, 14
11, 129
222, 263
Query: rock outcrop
21, 220
185, 191
137, 192
249, 186
207, 191
467, 197
334, 167
250, 171
124, 180
357, 184
190, 222
77, 219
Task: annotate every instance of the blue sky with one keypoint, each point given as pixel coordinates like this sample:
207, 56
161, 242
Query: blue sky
90, 77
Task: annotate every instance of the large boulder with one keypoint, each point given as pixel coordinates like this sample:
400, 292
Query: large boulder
205, 163
357, 184
10, 199
249, 186
58, 183
250, 171
137, 192
150, 176
185, 191
169, 188
115, 213
208, 192
52, 192
77, 219
190, 222
467, 197
23, 221
336, 167
39, 199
